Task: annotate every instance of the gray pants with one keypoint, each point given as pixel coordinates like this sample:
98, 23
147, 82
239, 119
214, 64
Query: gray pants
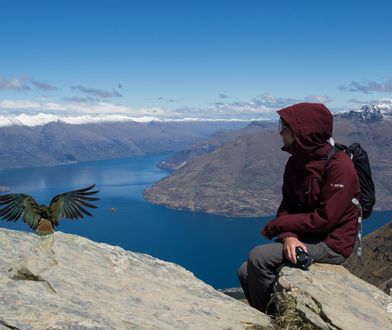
257, 275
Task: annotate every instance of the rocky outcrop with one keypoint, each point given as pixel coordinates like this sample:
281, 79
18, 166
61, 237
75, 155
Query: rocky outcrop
375, 264
64, 281
329, 297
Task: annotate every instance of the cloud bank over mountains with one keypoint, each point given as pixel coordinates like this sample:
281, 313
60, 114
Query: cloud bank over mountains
33, 113
34, 102
44, 118
77, 111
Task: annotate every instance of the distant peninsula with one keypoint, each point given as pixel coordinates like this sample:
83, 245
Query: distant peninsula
243, 176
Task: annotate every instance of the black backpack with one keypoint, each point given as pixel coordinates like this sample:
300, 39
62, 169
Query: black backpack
361, 162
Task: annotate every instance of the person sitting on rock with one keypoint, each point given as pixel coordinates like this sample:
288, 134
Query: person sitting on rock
316, 212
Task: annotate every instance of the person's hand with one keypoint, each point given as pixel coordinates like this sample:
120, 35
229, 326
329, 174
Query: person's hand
289, 245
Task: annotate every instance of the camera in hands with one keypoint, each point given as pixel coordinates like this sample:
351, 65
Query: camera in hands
303, 258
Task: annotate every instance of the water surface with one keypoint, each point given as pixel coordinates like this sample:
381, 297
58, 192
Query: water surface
210, 246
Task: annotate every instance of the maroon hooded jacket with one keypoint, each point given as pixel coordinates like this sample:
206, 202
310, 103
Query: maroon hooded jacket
317, 193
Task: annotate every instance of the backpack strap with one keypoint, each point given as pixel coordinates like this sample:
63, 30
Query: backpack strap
359, 234
331, 153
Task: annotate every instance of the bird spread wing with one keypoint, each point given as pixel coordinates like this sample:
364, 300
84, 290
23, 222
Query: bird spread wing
71, 205
17, 205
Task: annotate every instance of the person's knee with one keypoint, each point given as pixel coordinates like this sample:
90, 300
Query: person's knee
257, 255
266, 256
242, 272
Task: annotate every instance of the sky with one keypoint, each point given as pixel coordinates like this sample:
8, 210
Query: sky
190, 59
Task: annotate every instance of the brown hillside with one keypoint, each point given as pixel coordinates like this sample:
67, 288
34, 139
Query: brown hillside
375, 265
244, 176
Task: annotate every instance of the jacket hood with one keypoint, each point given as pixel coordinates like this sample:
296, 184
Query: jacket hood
312, 125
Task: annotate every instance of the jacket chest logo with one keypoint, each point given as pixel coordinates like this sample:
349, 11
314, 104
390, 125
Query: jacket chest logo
336, 185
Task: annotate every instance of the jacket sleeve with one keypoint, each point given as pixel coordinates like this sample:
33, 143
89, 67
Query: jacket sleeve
285, 235
284, 205
340, 186
286, 196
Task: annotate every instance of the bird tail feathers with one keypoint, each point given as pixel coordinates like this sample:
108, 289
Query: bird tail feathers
44, 228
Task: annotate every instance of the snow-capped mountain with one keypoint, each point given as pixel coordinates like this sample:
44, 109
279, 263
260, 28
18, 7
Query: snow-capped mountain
369, 113
45, 118
41, 119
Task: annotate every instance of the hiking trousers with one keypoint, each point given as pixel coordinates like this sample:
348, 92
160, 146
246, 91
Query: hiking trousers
257, 275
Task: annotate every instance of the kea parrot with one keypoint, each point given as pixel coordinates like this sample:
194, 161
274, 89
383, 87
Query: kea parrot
41, 218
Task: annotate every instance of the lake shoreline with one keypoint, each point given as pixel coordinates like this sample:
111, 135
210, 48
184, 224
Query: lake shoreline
210, 246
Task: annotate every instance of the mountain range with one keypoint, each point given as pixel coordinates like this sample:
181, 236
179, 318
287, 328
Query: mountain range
212, 142
220, 167
57, 142
243, 177
369, 113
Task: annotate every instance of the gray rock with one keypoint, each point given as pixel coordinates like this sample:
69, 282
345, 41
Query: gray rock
329, 297
65, 281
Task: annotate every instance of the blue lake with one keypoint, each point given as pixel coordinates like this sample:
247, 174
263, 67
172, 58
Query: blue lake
210, 246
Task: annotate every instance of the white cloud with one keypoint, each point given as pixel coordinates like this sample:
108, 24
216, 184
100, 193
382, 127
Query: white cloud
19, 104
100, 108
101, 93
14, 84
82, 110
384, 100
43, 86
81, 107
25, 84
33, 113
318, 98
368, 87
